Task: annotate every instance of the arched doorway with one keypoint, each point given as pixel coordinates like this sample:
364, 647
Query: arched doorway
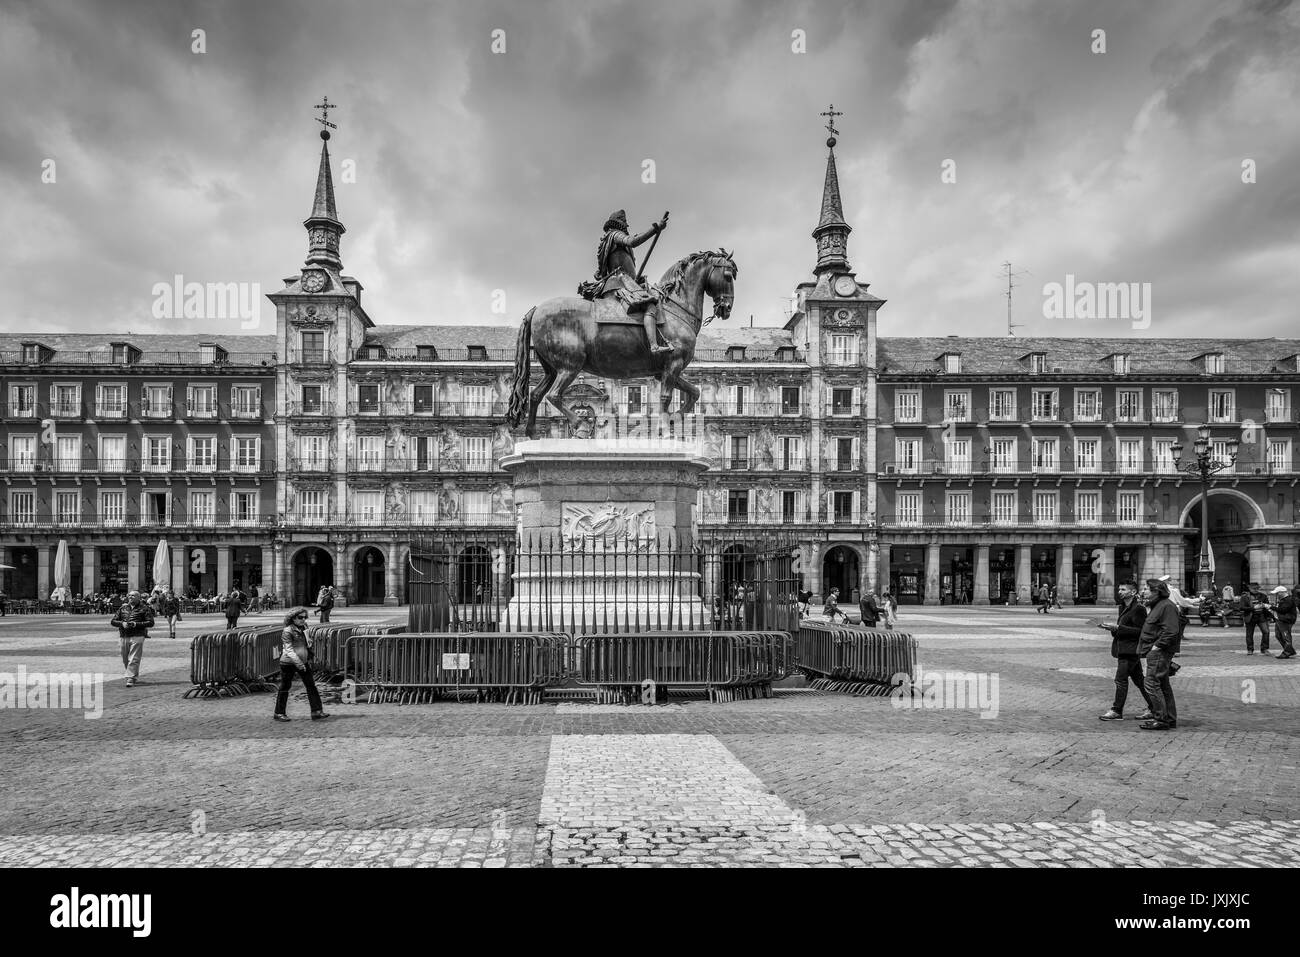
368, 576
1232, 516
312, 567
840, 570
473, 574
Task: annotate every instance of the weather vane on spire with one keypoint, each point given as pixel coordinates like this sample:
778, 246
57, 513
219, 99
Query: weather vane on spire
324, 119
830, 125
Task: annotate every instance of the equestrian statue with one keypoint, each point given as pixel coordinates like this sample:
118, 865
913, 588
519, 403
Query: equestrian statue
620, 327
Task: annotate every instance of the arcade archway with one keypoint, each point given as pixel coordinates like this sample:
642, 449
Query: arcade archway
368, 576
313, 567
840, 569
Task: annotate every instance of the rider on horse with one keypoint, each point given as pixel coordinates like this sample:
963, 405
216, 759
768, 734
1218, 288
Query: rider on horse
616, 273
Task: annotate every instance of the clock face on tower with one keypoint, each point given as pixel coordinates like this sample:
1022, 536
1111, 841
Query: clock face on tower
845, 286
313, 281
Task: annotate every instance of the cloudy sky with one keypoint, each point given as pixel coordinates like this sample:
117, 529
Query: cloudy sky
478, 171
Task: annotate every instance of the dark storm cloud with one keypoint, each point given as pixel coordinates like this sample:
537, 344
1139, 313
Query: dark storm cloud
476, 172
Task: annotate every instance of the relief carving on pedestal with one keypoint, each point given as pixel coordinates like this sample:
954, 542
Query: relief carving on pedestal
629, 525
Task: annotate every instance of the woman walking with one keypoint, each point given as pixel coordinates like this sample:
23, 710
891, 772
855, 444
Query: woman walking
295, 654
171, 610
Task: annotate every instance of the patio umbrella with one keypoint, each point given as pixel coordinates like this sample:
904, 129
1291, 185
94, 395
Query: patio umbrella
162, 565
7, 568
62, 574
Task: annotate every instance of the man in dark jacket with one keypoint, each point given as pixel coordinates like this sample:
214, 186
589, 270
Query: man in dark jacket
233, 605
1159, 642
1126, 633
1256, 614
870, 611
1285, 610
133, 621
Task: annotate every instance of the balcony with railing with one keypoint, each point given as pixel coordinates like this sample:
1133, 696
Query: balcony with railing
757, 410
156, 410
38, 522
309, 463
154, 359
200, 410
310, 409
841, 410
244, 411
111, 410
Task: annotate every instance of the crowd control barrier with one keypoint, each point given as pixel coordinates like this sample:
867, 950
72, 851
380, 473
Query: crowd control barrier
727, 665
415, 668
851, 659
235, 662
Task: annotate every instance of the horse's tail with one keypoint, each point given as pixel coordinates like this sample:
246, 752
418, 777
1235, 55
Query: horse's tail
519, 390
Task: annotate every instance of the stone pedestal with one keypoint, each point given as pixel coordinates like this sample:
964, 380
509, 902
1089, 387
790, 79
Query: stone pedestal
606, 535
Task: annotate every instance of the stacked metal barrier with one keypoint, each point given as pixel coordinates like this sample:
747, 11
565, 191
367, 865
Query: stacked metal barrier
415, 668
851, 659
234, 662
726, 665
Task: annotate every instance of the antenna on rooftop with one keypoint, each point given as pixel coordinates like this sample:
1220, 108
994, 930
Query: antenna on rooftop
1010, 276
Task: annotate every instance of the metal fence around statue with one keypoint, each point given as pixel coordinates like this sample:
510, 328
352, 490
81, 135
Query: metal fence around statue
486, 583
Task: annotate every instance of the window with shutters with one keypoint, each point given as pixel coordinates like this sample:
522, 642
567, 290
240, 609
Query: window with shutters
957, 456
738, 505
1128, 405
65, 400
67, 508
201, 402
22, 508
246, 401
422, 507
203, 453
312, 399
157, 402
1279, 455
1002, 507
845, 459
907, 506
1044, 405
22, 401
367, 398
110, 400
1002, 405
1277, 405
792, 399
243, 508
477, 506
424, 453
367, 507
841, 401
790, 510
67, 453
1222, 451
907, 405
907, 455
1129, 508
739, 452
842, 507
843, 350
1222, 405
422, 398
112, 508
112, 453
478, 400
635, 399
478, 454
1087, 405
203, 508
157, 454
1129, 455
1045, 458
1004, 455
248, 453
791, 453
1164, 405
1086, 455
313, 453
370, 453
22, 453
1045, 508
311, 506
1162, 455
1087, 508
958, 508
313, 347
956, 406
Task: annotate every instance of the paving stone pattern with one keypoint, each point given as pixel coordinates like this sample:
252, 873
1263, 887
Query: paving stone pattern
802, 779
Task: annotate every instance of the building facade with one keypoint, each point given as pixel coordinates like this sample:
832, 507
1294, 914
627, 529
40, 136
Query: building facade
949, 469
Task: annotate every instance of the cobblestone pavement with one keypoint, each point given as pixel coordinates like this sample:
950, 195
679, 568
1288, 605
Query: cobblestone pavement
800, 779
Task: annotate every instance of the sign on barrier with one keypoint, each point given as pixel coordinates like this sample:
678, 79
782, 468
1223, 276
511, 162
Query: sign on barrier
455, 662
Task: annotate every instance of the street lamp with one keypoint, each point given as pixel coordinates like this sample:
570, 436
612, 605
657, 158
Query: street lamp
1204, 464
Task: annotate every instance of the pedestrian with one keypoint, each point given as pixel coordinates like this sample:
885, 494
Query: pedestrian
133, 621
295, 658
802, 598
324, 602
1285, 613
870, 609
890, 609
1125, 634
831, 608
254, 599
1256, 614
232, 606
171, 610
4, 603
1159, 643
1043, 600
1056, 601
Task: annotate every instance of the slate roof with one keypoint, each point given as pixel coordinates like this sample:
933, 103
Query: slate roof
85, 347
1004, 354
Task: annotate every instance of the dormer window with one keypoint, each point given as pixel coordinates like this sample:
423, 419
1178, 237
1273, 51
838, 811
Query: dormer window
1215, 363
1121, 363
32, 352
478, 354
210, 353
1037, 362
372, 352
736, 353
426, 353
785, 354
951, 362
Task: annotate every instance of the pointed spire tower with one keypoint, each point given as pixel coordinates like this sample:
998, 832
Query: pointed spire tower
832, 232
323, 226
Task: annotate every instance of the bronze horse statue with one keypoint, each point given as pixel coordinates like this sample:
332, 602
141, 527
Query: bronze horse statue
570, 339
